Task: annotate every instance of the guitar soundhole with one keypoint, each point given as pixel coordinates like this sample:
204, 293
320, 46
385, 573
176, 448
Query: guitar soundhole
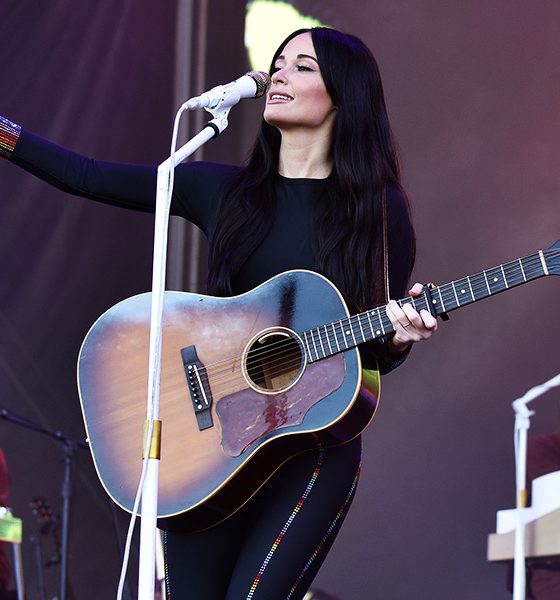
274, 362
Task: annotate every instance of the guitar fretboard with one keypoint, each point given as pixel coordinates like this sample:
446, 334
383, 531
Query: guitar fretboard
338, 336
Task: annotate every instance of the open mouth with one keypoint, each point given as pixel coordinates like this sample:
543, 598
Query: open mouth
279, 97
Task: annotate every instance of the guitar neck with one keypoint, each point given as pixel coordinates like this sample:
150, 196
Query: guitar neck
329, 339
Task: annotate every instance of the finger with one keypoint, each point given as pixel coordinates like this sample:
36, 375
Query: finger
397, 315
413, 316
430, 322
416, 289
422, 324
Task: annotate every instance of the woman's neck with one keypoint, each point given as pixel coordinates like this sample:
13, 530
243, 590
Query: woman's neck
303, 156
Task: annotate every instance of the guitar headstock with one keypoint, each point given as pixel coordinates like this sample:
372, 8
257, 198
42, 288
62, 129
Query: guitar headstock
552, 257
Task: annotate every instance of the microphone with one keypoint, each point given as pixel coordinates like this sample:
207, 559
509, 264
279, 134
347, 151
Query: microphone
251, 85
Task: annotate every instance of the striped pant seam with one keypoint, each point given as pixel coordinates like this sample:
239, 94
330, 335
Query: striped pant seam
166, 567
319, 547
286, 526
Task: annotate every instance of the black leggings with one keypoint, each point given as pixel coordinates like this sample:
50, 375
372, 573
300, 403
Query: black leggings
273, 547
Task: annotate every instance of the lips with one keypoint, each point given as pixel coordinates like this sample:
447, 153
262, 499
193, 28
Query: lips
279, 97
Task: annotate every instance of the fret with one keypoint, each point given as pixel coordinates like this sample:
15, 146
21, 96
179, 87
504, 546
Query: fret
314, 353
513, 273
381, 321
343, 335
534, 266
314, 344
522, 270
370, 323
374, 332
421, 302
504, 276
455, 292
441, 300
487, 284
335, 337
429, 299
497, 282
448, 292
386, 322
407, 300
479, 286
328, 340
307, 345
364, 339
321, 343
351, 331
463, 291
470, 288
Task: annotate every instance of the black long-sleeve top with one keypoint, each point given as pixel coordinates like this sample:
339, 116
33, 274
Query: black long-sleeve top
198, 190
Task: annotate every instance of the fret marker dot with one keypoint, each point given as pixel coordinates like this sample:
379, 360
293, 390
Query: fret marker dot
495, 279
433, 301
462, 291
347, 332
378, 332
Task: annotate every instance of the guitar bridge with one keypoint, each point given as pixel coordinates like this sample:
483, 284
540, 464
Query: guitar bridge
197, 382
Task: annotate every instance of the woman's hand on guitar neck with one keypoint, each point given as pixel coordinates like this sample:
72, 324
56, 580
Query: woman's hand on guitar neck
410, 325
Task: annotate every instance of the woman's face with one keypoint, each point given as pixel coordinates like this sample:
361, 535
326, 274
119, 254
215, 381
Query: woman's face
298, 98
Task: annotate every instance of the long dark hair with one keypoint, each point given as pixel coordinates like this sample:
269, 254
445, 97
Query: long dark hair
348, 243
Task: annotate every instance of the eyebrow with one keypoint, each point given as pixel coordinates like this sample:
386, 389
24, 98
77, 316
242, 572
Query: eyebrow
282, 57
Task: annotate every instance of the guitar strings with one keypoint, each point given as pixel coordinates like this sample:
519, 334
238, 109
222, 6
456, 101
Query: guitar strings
532, 267
478, 280
278, 350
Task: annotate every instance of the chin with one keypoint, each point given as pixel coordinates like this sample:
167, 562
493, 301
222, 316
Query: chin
273, 120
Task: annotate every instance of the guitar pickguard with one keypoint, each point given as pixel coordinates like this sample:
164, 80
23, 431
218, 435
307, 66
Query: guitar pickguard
247, 415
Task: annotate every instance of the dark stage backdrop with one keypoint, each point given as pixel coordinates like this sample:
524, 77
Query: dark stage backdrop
472, 91
96, 77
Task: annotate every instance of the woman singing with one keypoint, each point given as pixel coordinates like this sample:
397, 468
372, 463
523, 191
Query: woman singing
320, 191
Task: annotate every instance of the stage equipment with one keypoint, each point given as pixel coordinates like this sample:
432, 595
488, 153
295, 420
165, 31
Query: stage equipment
218, 103
528, 531
11, 532
69, 446
251, 85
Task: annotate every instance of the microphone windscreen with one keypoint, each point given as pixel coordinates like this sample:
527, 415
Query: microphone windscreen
262, 80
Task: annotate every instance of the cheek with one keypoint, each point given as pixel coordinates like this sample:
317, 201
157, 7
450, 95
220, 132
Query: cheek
323, 107
322, 100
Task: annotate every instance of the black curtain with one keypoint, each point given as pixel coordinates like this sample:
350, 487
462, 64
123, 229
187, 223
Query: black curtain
96, 77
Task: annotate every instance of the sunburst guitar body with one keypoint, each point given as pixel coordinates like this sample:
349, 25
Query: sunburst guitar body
246, 382
244, 386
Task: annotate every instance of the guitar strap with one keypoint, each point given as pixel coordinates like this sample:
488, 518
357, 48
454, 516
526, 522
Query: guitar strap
385, 245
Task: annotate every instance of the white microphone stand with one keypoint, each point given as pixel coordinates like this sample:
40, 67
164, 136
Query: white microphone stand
522, 423
150, 473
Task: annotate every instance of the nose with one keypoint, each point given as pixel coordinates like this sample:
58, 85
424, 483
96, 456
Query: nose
279, 76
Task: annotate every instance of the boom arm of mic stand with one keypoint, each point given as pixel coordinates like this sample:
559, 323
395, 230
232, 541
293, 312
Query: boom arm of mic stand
148, 526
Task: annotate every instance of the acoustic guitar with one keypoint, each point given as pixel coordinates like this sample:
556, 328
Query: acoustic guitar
246, 382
